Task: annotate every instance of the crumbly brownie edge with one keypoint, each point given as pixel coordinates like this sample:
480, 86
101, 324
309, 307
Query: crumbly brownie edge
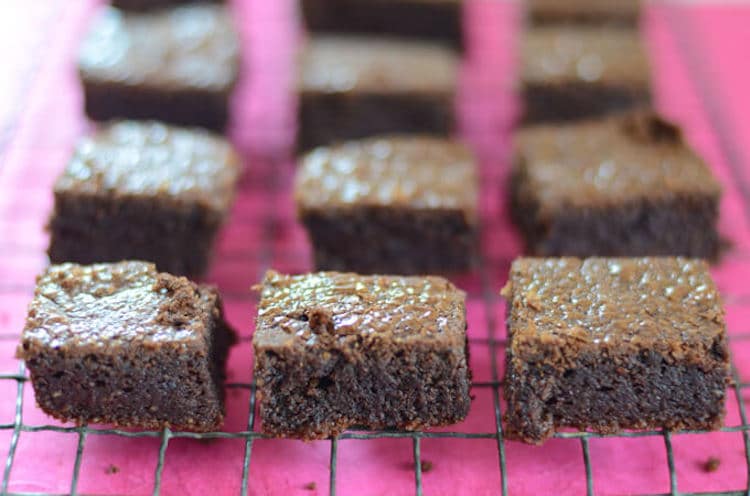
683, 225
391, 240
90, 228
404, 19
329, 118
148, 5
314, 395
105, 101
561, 102
645, 390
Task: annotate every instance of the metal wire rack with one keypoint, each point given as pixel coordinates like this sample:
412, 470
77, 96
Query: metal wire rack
494, 343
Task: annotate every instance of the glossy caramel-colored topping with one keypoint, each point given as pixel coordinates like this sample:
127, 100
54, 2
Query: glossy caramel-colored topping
190, 47
105, 306
308, 309
337, 64
416, 172
149, 158
564, 54
608, 305
608, 162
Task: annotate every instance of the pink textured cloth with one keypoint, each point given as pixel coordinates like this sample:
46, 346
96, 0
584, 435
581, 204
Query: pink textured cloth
701, 79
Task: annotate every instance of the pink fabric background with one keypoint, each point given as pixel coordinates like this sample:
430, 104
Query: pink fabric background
701, 79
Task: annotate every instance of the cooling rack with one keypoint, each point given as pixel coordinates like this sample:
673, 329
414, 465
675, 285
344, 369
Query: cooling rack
42, 120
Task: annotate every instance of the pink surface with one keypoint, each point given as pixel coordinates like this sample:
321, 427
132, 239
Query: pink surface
701, 80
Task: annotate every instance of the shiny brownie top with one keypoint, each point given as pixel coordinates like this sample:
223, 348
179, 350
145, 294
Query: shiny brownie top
412, 171
561, 306
189, 47
151, 159
338, 64
584, 54
330, 308
598, 163
104, 306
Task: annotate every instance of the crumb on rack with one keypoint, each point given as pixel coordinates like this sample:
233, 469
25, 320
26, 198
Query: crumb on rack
112, 469
310, 486
427, 465
712, 464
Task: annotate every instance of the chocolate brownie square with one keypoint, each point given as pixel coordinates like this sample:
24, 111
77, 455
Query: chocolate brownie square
352, 88
572, 72
390, 205
339, 350
437, 20
609, 344
175, 65
144, 191
123, 344
623, 186
146, 5
619, 12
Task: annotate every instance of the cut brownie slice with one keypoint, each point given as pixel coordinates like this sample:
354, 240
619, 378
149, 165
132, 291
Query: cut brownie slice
438, 20
175, 65
122, 344
336, 350
144, 191
390, 205
572, 72
353, 87
621, 12
613, 344
625, 186
146, 5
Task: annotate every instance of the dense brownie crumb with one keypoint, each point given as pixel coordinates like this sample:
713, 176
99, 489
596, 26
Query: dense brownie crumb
144, 191
125, 345
613, 344
390, 205
623, 186
712, 464
336, 350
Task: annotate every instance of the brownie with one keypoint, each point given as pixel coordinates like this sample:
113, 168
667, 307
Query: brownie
143, 191
609, 344
176, 65
596, 12
146, 5
437, 20
123, 344
572, 72
622, 186
340, 350
390, 205
355, 87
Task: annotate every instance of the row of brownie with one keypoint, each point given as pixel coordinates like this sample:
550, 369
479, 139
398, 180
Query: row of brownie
608, 344
180, 65
621, 186
604, 343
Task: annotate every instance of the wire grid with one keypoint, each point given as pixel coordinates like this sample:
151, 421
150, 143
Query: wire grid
489, 297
